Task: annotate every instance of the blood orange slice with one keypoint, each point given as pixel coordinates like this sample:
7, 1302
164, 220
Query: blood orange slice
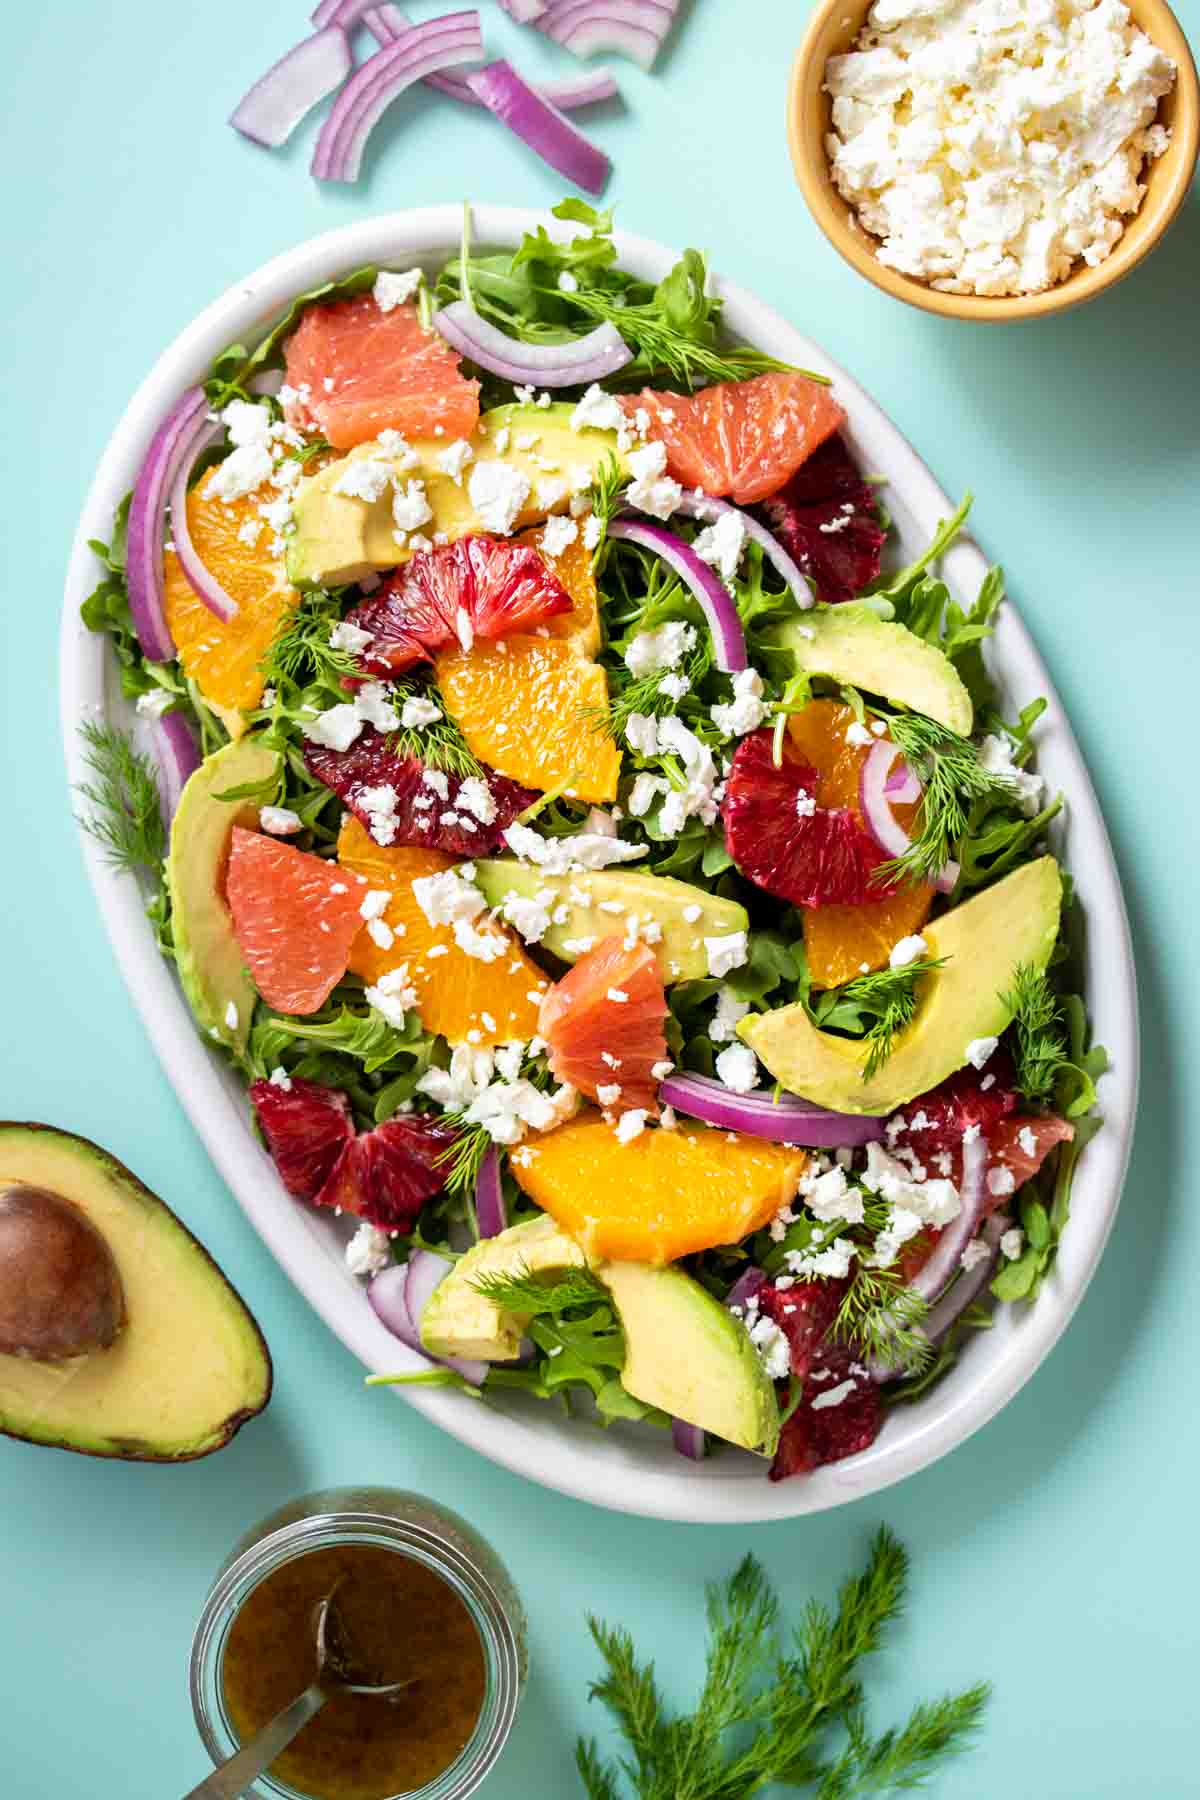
306, 1127
357, 371
826, 515
603, 1025
294, 917
477, 587
742, 438
401, 802
385, 1176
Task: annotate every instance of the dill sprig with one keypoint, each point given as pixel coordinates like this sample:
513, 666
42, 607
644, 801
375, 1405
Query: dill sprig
462, 1159
953, 778
1040, 1049
536, 1296
440, 745
881, 1316
660, 346
890, 995
781, 1706
124, 814
301, 653
605, 493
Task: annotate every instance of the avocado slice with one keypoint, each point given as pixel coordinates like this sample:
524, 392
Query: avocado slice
684, 1351
339, 538
187, 1366
206, 951
983, 941
668, 903
852, 644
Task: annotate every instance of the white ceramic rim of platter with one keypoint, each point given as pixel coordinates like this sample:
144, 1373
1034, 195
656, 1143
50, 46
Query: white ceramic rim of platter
627, 1468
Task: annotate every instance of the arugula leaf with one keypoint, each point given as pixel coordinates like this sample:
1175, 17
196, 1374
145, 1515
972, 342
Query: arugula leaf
124, 813
234, 367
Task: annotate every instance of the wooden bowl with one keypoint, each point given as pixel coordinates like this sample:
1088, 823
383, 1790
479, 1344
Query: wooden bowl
832, 29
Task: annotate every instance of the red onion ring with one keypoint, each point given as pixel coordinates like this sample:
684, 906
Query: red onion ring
523, 11
875, 804
937, 1268
345, 13
787, 1121
436, 44
491, 1214
147, 518
709, 508
956, 1299
634, 27
423, 1271
200, 579
902, 786
602, 352
175, 757
538, 123
729, 643
270, 111
567, 92
688, 1440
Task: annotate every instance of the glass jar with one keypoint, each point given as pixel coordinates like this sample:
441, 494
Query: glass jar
391, 1520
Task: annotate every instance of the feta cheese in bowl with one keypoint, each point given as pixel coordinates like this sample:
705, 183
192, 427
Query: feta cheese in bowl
994, 158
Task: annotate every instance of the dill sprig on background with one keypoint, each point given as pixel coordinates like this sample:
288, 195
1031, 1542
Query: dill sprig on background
123, 810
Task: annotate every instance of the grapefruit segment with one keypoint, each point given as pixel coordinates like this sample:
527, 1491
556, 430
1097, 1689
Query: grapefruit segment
457, 996
356, 371
659, 1196
741, 438
294, 917
603, 1025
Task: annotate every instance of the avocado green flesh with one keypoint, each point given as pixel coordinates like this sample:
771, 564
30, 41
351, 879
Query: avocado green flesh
685, 1353
851, 644
188, 1368
339, 538
657, 898
206, 951
984, 942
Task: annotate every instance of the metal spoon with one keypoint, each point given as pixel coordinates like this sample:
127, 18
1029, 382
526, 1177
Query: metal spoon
335, 1675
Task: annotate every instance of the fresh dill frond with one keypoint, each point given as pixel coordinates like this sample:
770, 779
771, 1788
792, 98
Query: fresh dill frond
536, 1296
301, 652
1040, 1051
644, 695
124, 814
881, 1317
953, 778
606, 491
660, 346
463, 1158
440, 745
890, 996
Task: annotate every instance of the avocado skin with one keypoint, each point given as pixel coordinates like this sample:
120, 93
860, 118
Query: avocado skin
852, 644
128, 1446
206, 951
984, 940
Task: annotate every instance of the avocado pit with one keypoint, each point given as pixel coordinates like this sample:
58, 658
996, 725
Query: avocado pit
61, 1294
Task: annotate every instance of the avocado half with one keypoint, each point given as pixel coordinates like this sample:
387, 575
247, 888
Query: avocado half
188, 1365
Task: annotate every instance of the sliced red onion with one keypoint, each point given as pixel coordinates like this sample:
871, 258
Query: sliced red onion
745, 1287
729, 643
602, 352
523, 11
422, 1273
170, 444
538, 123
345, 13
386, 23
938, 1267
875, 801
270, 111
902, 786
956, 1298
200, 579
491, 1214
709, 508
788, 1121
634, 27
688, 1440
175, 756
436, 44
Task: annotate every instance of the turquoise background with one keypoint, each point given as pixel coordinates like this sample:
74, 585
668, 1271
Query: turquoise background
1054, 1553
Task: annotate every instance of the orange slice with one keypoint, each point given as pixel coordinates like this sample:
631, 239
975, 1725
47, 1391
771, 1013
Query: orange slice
223, 660
843, 941
458, 996
660, 1196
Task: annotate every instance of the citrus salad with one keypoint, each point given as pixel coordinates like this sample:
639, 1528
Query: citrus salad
617, 883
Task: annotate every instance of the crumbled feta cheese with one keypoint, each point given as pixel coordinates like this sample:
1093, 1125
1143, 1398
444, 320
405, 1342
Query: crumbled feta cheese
641, 733
976, 1252
908, 950
833, 1262
730, 1009
1001, 1180
674, 687
857, 734
652, 652
498, 492
246, 422
568, 855
1027, 1141
351, 638
608, 1093
482, 946
380, 934
241, 473
368, 1251
1012, 1243
737, 1067
280, 1078
651, 490
772, 1346
593, 531
280, 821
644, 792
336, 728
410, 508
721, 544
829, 1195
454, 458
631, 1124
154, 704
364, 478
392, 290
980, 1050
834, 1396
446, 897
557, 534
995, 756
529, 913
597, 411
746, 711
806, 804
989, 145
419, 711
726, 953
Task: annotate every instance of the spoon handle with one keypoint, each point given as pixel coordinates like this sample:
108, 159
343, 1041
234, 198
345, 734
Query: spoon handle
235, 1776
